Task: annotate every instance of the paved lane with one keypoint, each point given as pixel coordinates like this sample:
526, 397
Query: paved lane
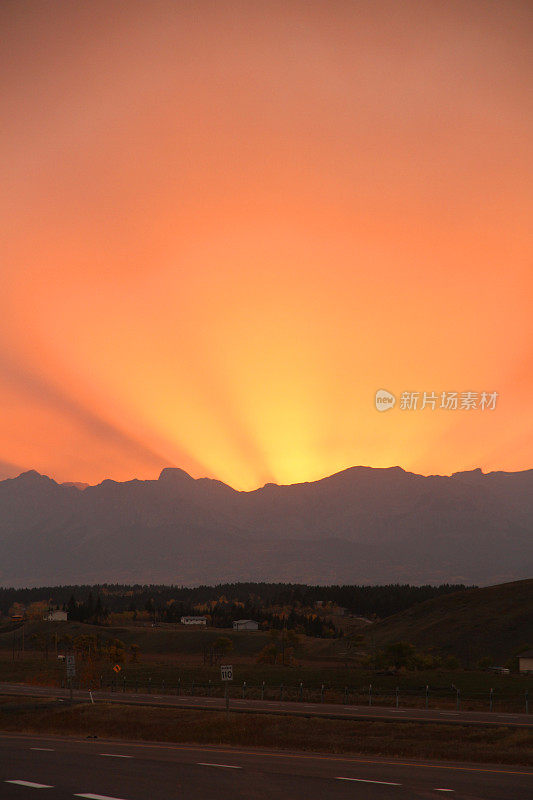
59, 768
271, 707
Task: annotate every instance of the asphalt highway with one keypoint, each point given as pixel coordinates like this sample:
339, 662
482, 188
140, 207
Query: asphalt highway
336, 711
59, 768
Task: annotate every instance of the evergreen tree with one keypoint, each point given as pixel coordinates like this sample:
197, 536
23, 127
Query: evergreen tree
89, 608
98, 610
72, 608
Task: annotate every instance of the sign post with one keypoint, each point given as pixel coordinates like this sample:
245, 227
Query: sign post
226, 674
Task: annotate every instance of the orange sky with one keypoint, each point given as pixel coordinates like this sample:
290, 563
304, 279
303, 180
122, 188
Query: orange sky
226, 225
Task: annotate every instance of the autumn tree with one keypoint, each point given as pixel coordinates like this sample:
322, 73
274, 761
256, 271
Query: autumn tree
37, 610
17, 610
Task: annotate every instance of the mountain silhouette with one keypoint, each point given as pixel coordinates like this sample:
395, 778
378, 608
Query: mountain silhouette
361, 525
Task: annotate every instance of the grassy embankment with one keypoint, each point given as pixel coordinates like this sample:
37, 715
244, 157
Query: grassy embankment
160, 675
401, 739
168, 654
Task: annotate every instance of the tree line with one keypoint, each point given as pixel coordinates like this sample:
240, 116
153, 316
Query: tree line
86, 601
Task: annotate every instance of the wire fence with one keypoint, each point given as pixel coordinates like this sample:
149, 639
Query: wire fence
439, 698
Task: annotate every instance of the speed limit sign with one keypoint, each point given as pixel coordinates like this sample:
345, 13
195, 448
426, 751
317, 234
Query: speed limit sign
226, 672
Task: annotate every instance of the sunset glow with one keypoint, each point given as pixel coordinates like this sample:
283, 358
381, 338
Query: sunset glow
226, 225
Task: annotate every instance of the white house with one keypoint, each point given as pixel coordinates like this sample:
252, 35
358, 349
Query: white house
525, 661
56, 616
245, 625
193, 620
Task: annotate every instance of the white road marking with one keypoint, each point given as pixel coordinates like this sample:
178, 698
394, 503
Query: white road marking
115, 755
444, 790
209, 764
97, 797
365, 780
48, 749
31, 784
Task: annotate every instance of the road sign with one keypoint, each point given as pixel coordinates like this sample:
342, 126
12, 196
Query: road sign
226, 672
117, 668
71, 666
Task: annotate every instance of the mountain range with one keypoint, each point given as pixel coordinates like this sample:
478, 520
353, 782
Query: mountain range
361, 525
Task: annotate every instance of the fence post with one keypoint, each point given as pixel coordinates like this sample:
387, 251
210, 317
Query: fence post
263, 690
179, 686
136, 685
345, 695
163, 686
124, 684
150, 685
192, 689
101, 678
427, 695
397, 696
322, 693
370, 695
458, 700
209, 688
527, 702
491, 698
243, 690
281, 692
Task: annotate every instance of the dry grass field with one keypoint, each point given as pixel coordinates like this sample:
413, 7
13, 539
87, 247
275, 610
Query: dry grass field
403, 739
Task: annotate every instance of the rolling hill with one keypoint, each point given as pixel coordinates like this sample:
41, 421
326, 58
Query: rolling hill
493, 621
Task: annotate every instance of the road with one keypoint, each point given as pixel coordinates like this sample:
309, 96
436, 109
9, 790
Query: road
59, 768
335, 711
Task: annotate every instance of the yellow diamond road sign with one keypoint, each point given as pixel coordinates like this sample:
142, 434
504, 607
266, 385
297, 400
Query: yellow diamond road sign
117, 668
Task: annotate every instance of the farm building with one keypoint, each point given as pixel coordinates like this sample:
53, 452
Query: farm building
525, 661
245, 625
56, 616
193, 620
